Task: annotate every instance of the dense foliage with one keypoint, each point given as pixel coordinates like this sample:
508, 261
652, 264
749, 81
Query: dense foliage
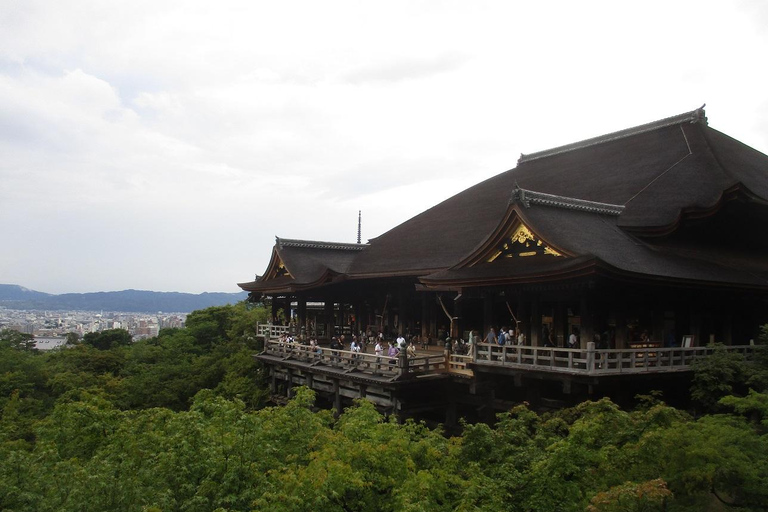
95, 430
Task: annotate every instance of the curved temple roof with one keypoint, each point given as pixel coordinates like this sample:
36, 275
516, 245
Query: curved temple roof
609, 204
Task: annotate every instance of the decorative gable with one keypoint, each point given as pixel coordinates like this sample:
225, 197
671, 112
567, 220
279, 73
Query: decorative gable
277, 268
522, 243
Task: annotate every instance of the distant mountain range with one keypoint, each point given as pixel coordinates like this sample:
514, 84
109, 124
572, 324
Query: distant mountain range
137, 301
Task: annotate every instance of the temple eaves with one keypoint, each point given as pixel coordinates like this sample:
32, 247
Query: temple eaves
528, 197
694, 116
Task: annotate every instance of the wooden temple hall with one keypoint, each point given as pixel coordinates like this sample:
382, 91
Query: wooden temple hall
651, 237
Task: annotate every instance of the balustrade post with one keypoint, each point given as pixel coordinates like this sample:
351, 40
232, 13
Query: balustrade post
403, 363
591, 356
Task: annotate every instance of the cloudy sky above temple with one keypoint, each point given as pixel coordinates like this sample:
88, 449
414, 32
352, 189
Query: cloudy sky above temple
162, 145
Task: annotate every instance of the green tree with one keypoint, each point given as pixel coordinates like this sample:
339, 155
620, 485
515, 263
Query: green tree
17, 340
108, 339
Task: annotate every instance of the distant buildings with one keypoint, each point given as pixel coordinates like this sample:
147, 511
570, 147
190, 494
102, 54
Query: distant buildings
54, 324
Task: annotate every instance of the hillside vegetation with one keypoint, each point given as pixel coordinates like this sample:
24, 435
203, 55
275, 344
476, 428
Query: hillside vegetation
178, 423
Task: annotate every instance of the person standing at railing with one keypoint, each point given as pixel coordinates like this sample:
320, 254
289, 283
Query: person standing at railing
392, 352
491, 336
546, 336
378, 350
335, 347
401, 344
411, 349
354, 347
573, 339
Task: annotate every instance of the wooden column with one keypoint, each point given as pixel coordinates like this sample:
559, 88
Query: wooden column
359, 324
289, 383
403, 316
302, 314
658, 324
337, 399
524, 317
425, 323
726, 334
487, 314
620, 315
328, 313
694, 326
273, 320
535, 329
458, 324
560, 321
586, 312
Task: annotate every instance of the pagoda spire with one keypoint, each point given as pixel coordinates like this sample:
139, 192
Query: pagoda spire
359, 219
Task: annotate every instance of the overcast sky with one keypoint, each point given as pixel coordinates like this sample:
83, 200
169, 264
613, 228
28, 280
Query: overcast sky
163, 145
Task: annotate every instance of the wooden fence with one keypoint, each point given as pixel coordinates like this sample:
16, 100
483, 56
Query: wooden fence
592, 361
349, 361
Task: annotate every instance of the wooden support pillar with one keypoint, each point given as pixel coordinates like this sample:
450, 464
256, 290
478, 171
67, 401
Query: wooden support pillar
336, 398
726, 334
359, 324
523, 316
289, 383
425, 297
620, 315
403, 316
328, 313
658, 324
273, 380
458, 324
487, 314
560, 321
694, 327
450, 414
587, 321
274, 310
535, 329
302, 315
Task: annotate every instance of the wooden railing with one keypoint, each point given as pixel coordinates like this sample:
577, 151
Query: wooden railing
458, 364
272, 332
349, 361
592, 361
589, 361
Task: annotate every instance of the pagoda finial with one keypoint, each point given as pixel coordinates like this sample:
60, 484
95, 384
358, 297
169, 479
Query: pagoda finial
359, 222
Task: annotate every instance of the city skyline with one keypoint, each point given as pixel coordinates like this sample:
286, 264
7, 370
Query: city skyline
162, 146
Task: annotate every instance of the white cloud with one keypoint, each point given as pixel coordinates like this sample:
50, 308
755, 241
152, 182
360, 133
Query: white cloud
164, 144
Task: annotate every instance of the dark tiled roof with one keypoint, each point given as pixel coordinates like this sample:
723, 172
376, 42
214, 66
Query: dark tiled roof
591, 198
694, 116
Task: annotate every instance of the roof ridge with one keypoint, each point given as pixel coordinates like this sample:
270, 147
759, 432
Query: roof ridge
317, 244
528, 197
694, 116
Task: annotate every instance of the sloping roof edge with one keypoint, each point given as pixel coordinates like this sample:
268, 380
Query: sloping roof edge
528, 197
315, 244
694, 116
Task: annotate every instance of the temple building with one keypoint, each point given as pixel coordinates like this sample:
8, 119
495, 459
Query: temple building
655, 232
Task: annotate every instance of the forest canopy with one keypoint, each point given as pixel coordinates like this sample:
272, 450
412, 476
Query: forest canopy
178, 423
